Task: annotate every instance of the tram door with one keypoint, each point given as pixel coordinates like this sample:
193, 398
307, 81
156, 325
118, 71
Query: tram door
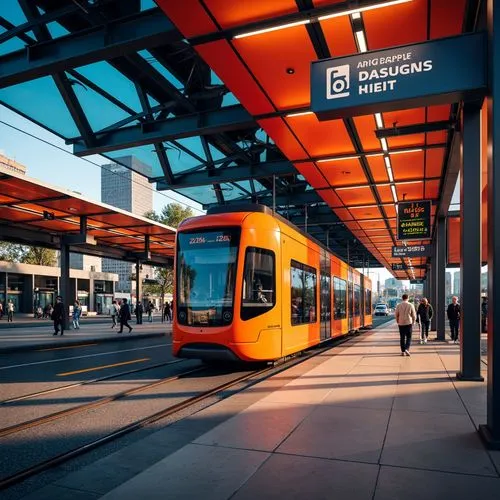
362, 301
325, 298
350, 304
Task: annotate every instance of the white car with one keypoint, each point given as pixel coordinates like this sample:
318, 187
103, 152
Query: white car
381, 310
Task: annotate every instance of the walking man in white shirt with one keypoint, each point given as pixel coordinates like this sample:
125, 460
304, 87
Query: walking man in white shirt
405, 317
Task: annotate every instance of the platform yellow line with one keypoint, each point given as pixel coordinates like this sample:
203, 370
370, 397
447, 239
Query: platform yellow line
103, 367
66, 347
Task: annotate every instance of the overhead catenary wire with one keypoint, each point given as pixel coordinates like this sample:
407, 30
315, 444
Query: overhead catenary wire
103, 167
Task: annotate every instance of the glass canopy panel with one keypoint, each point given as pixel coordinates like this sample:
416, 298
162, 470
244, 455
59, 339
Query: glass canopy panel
113, 82
13, 12
229, 100
147, 4
41, 101
56, 30
200, 194
216, 154
181, 161
146, 154
161, 69
233, 191
10, 45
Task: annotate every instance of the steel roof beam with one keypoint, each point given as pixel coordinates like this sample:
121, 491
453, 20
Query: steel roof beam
143, 31
281, 200
225, 119
229, 174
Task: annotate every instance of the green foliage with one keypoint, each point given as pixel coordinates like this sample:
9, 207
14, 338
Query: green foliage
12, 252
171, 215
40, 256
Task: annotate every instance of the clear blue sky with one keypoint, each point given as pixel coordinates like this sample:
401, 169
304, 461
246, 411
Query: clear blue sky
48, 164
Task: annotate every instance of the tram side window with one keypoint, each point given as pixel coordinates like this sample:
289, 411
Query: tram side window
357, 300
339, 291
303, 280
259, 293
368, 302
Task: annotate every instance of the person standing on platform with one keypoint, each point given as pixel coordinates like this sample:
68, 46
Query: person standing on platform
115, 313
151, 309
484, 315
1, 310
139, 311
167, 312
77, 312
59, 315
405, 317
125, 316
424, 316
10, 311
453, 313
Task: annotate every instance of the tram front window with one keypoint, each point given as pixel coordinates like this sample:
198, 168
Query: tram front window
206, 276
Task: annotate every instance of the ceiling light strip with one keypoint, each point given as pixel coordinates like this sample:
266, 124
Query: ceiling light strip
301, 113
362, 9
274, 28
338, 158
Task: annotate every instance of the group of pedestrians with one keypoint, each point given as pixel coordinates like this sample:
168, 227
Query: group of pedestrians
9, 309
407, 316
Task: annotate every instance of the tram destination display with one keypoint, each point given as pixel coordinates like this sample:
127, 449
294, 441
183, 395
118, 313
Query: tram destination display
414, 220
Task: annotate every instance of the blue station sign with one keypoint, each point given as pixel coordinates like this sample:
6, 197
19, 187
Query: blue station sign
435, 72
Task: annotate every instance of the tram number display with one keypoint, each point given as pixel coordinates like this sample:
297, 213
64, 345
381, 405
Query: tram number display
209, 239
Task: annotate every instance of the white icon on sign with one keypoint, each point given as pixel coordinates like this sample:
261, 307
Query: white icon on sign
337, 81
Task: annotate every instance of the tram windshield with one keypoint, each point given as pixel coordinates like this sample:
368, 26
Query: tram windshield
206, 275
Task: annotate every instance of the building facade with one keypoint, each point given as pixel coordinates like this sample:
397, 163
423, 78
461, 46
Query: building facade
8, 164
127, 188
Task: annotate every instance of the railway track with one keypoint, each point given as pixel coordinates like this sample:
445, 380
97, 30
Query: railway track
245, 381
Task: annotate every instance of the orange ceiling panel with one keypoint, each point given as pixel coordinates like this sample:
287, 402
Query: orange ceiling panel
344, 214
74, 206
438, 112
396, 25
14, 215
57, 225
403, 141
40, 209
224, 61
325, 138
270, 55
312, 174
361, 213
439, 137
284, 139
378, 169
231, 14
339, 36
343, 172
385, 193
431, 190
390, 210
6, 199
353, 226
18, 189
372, 224
404, 117
330, 197
409, 192
366, 127
408, 165
434, 162
358, 196
446, 17
197, 22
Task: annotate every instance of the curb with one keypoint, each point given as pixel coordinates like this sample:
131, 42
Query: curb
69, 342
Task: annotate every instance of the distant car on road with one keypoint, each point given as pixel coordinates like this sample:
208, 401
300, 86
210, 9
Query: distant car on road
381, 310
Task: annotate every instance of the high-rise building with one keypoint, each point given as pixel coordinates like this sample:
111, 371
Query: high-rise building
126, 188
456, 284
12, 165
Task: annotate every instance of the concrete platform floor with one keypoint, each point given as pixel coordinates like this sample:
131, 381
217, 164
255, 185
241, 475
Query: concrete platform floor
361, 422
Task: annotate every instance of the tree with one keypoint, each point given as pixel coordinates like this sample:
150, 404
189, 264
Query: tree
11, 252
171, 215
40, 256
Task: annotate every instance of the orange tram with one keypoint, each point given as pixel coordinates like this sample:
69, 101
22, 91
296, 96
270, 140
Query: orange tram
251, 286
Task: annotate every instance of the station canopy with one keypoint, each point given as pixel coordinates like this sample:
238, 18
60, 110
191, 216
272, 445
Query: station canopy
33, 212
215, 96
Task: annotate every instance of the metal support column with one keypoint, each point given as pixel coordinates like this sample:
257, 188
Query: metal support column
491, 431
64, 284
138, 282
432, 290
470, 246
440, 270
